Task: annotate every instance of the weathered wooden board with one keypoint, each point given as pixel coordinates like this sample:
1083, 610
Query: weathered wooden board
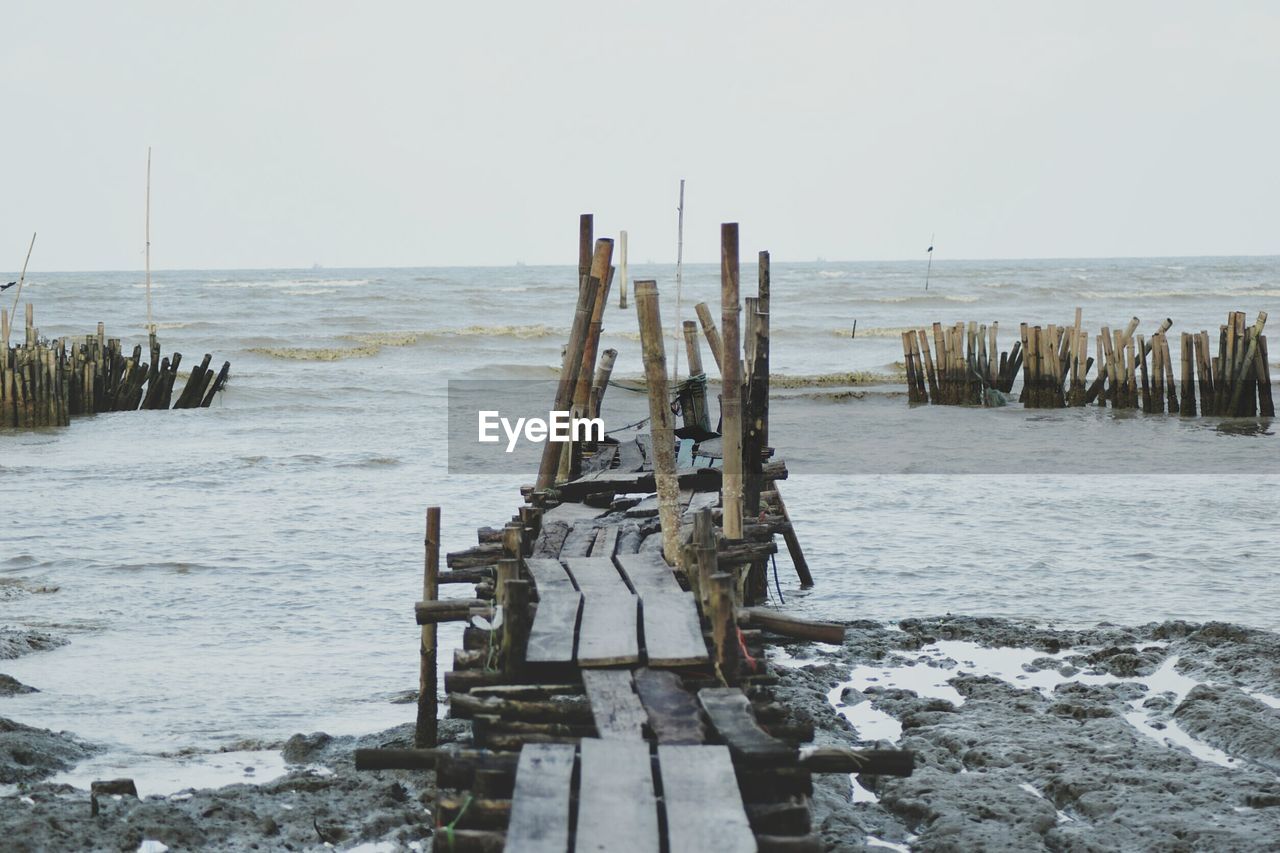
704, 806
673, 713
540, 804
617, 811
570, 513
684, 454
730, 714
629, 458
697, 479
672, 630
645, 441
550, 538
628, 538
608, 632
606, 541
712, 447
602, 460
700, 501
579, 541
648, 572
614, 704
551, 639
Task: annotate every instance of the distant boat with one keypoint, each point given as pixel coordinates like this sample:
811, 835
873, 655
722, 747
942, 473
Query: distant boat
316, 266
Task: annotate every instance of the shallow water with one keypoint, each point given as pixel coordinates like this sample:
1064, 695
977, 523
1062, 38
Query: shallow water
243, 573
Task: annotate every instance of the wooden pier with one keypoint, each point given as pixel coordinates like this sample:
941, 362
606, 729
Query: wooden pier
614, 665
967, 367
43, 382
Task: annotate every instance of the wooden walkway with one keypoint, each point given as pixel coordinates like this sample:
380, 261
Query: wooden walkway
615, 673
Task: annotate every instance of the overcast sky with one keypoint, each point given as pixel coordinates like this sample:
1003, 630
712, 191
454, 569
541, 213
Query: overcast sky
415, 133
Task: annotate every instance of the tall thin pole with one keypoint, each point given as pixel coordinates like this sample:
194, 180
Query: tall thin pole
675, 370
622, 267
14, 312
929, 268
150, 325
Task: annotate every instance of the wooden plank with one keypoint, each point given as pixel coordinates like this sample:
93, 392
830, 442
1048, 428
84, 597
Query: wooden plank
614, 704
570, 513
673, 713
540, 803
699, 501
617, 811
645, 442
550, 538
704, 806
551, 639
579, 541
672, 629
648, 572
647, 508
684, 455
606, 541
730, 714
602, 459
608, 633
629, 458
698, 479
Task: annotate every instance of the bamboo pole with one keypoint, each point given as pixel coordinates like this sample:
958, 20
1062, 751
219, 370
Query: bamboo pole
675, 369
712, 333
692, 349
622, 268
13, 312
730, 369
664, 453
150, 324
1246, 364
425, 733
572, 362
601, 382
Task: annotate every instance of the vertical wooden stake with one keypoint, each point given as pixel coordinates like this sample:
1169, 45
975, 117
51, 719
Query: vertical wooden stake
664, 442
601, 382
516, 622
425, 734
724, 626
692, 349
730, 370
622, 268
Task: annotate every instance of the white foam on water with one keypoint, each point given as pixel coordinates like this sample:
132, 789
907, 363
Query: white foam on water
155, 774
948, 658
873, 841
149, 845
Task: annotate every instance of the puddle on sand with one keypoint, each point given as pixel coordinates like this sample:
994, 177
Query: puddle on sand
154, 774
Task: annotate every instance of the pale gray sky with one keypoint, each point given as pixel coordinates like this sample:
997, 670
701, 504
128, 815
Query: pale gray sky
414, 133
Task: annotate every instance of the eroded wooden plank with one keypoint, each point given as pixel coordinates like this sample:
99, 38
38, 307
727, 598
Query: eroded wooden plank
614, 704
551, 639
730, 714
617, 811
672, 629
579, 541
684, 454
629, 458
648, 572
673, 713
606, 541
608, 632
570, 513
540, 804
550, 539
704, 806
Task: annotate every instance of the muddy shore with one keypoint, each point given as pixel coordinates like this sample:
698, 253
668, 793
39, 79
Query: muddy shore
1159, 737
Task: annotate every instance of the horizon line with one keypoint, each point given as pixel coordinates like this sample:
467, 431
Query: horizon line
516, 264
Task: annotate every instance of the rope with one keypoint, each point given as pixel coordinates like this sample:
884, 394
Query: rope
774, 559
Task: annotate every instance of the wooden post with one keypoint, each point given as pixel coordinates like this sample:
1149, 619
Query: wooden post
587, 293
664, 447
704, 542
691, 347
622, 268
730, 370
724, 626
516, 622
425, 733
1246, 363
1266, 404
756, 411
582, 396
601, 382
713, 334
1188, 378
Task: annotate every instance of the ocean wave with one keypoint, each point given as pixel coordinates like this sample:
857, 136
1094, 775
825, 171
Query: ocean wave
922, 297
317, 353
872, 332
287, 282
830, 380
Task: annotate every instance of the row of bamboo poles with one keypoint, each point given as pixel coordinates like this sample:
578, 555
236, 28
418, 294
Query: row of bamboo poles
45, 382
1133, 371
